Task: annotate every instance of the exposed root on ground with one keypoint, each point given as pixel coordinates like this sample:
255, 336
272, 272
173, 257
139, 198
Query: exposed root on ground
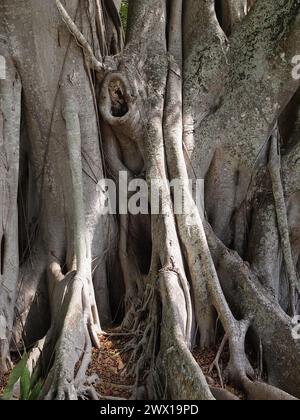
206, 359
193, 277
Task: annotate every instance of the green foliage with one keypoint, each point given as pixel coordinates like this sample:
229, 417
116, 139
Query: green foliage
30, 386
124, 13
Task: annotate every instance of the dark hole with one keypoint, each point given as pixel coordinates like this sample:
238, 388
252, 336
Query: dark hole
219, 10
140, 241
222, 12
119, 107
2, 254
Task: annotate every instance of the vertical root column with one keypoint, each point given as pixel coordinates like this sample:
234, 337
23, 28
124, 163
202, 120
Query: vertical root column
281, 212
205, 279
190, 214
173, 138
81, 246
10, 111
184, 378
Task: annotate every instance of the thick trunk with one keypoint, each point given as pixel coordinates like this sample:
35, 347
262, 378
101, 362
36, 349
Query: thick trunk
197, 94
10, 119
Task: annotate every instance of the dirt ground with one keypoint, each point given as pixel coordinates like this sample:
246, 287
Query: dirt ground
116, 380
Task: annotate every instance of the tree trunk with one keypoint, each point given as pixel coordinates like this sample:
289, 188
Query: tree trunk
200, 90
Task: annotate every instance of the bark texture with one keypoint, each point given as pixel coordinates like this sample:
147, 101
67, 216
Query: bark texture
197, 90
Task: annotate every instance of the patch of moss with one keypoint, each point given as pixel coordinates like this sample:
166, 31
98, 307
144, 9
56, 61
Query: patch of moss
124, 14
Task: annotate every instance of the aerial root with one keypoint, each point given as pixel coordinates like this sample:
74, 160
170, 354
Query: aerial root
260, 391
82, 41
221, 394
254, 302
215, 363
142, 346
283, 226
239, 366
63, 382
89, 393
135, 313
67, 349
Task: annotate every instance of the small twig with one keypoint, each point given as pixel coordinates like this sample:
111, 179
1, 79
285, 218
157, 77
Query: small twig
216, 364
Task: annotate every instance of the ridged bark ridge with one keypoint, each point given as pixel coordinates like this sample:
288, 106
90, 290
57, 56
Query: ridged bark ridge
198, 89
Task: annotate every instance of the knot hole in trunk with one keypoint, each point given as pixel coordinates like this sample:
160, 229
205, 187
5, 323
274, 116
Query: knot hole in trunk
119, 106
2, 250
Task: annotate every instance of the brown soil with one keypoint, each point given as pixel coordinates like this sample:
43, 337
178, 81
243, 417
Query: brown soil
3, 381
111, 366
205, 359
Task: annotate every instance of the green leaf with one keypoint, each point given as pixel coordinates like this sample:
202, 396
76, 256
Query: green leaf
124, 13
34, 377
25, 384
36, 391
15, 375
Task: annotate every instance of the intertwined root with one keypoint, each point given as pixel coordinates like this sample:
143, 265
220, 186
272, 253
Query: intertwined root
194, 274
169, 251
75, 321
10, 117
142, 322
67, 350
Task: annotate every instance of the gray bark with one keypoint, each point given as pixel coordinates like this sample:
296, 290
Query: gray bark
202, 94
10, 118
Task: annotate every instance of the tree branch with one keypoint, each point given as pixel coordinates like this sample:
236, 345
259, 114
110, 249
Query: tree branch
204, 67
151, 36
260, 81
95, 64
